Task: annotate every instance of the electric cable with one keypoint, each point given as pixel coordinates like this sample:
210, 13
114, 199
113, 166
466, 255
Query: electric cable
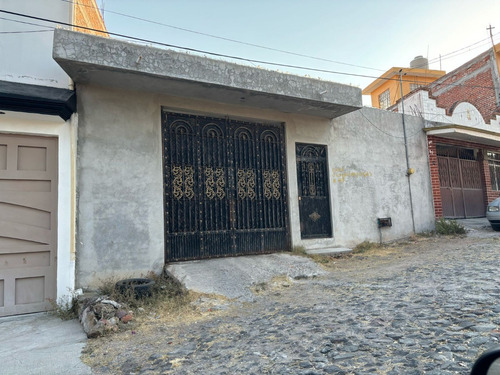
143, 40
28, 23
383, 131
24, 32
225, 38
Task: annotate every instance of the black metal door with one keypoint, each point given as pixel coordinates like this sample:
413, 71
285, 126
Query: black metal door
314, 198
224, 187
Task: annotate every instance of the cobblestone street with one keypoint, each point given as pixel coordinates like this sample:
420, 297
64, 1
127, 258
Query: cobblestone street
430, 306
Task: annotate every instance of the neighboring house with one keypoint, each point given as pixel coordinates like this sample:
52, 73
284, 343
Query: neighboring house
37, 157
462, 111
385, 91
183, 157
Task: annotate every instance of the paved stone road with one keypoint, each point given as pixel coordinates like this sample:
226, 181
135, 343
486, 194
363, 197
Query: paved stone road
426, 308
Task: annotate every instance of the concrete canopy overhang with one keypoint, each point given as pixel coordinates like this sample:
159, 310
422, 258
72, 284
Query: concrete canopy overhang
90, 59
466, 133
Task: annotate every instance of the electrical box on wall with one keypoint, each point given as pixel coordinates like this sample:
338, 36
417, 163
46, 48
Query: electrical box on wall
384, 222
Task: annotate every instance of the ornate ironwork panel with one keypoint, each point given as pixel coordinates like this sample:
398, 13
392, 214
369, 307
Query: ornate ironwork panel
314, 197
460, 182
224, 187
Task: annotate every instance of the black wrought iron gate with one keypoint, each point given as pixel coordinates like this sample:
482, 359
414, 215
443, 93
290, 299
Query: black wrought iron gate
314, 201
224, 187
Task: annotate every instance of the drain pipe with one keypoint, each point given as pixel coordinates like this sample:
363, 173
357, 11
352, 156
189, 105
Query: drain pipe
409, 171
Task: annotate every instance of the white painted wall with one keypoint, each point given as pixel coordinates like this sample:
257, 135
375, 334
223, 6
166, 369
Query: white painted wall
54, 126
120, 207
27, 57
465, 114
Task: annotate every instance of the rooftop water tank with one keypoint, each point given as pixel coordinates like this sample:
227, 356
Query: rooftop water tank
419, 62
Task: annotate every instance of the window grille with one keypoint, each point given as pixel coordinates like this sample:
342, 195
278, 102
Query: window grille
384, 99
414, 86
494, 164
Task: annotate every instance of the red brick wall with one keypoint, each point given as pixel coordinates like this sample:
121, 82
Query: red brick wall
466, 85
489, 194
436, 187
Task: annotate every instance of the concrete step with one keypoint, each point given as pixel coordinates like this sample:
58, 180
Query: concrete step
328, 251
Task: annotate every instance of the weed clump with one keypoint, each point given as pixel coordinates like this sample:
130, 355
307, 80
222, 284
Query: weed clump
364, 247
449, 227
66, 308
299, 250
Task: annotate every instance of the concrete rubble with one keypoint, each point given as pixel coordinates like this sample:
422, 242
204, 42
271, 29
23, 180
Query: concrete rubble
100, 316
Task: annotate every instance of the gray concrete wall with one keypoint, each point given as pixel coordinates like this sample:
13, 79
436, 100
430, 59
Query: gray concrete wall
372, 141
120, 203
367, 175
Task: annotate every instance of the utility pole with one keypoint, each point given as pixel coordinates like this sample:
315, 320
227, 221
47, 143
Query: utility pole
409, 171
491, 33
492, 43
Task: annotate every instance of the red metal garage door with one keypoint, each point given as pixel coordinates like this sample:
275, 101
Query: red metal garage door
28, 222
460, 180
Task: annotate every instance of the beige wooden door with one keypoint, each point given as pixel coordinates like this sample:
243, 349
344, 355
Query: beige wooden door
28, 223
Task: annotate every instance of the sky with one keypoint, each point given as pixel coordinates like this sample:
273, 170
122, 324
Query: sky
355, 37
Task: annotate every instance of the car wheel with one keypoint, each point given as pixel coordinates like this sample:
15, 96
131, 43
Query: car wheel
496, 227
139, 287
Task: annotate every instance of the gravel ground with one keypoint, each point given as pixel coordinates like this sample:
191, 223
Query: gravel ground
427, 306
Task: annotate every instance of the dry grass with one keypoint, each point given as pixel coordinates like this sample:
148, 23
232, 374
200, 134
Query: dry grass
166, 290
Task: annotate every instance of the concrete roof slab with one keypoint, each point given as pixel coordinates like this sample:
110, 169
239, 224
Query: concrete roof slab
116, 63
465, 133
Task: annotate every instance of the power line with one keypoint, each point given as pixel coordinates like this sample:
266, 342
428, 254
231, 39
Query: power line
24, 32
218, 54
27, 23
448, 55
226, 39
271, 48
383, 131
458, 50
143, 40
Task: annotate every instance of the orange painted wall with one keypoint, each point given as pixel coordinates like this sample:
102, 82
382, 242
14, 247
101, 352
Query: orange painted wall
394, 87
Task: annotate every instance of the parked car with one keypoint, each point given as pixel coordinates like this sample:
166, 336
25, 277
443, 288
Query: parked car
493, 214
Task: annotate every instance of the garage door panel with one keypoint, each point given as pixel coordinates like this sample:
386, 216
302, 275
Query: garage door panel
36, 200
26, 215
25, 232
31, 158
474, 203
1, 293
28, 236
24, 185
30, 259
24, 309
3, 157
30, 290
25, 175
15, 245
458, 202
